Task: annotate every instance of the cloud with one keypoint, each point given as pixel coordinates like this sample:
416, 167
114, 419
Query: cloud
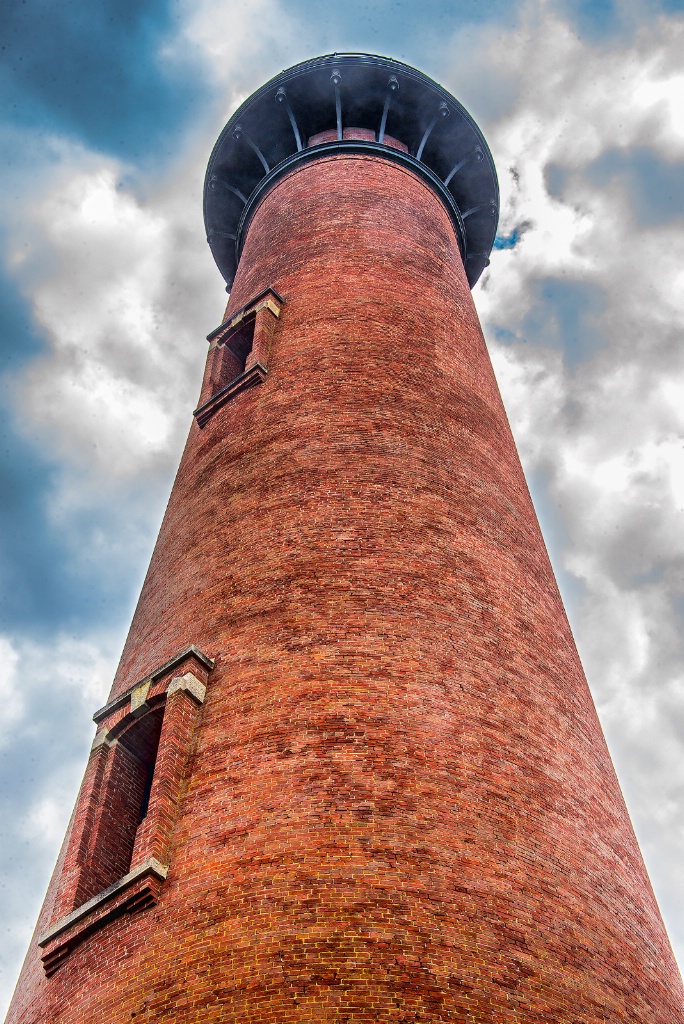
49, 692
96, 72
584, 319
111, 261
122, 318
121, 290
117, 271
10, 692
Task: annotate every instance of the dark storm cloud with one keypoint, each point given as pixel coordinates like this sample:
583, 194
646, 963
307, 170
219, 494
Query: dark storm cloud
655, 186
52, 576
49, 576
563, 315
92, 70
34, 586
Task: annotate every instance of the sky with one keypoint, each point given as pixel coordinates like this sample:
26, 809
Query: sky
108, 289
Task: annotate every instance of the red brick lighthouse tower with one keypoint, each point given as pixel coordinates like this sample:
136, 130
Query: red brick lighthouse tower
350, 770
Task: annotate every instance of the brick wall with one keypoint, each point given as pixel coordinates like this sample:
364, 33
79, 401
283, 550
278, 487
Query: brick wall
398, 804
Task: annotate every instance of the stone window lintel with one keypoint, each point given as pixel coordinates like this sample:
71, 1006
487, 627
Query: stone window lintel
268, 299
118, 702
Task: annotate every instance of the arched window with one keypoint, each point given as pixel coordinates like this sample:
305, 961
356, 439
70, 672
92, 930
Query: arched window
239, 353
123, 806
235, 351
117, 853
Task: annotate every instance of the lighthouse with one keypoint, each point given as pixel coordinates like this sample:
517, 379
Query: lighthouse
349, 769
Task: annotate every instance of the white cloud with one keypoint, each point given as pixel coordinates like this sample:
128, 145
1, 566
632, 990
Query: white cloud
51, 690
122, 314
118, 273
239, 47
115, 267
597, 409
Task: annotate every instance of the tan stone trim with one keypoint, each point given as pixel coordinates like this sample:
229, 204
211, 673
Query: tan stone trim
190, 684
268, 299
102, 739
139, 694
168, 666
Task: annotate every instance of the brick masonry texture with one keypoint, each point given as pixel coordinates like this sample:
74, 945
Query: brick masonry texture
398, 803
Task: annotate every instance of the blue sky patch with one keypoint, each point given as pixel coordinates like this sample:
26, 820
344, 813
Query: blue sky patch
598, 20
507, 241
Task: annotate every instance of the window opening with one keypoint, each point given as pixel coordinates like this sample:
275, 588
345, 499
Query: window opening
125, 803
236, 352
147, 789
239, 353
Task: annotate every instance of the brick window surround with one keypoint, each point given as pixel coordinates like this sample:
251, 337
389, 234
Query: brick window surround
117, 855
238, 353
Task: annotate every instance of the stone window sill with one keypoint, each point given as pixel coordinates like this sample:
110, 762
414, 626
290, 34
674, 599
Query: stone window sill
248, 379
136, 891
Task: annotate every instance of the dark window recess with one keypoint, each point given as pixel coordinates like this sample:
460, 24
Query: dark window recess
235, 352
147, 790
125, 803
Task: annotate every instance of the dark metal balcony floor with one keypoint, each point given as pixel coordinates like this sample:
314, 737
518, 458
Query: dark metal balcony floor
269, 135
